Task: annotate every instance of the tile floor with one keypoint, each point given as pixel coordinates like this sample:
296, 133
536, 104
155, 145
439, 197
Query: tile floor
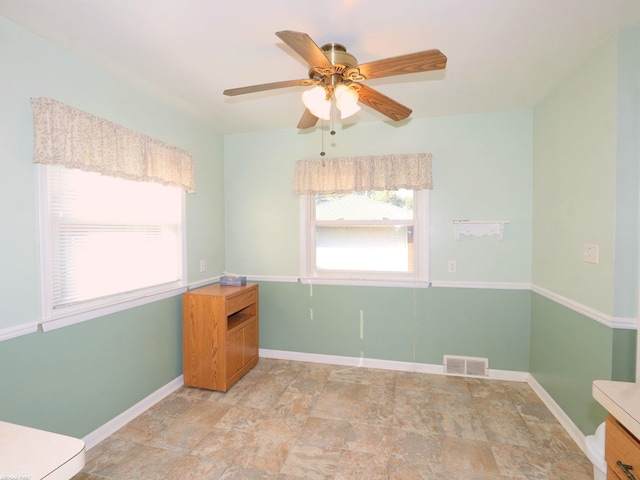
288, 420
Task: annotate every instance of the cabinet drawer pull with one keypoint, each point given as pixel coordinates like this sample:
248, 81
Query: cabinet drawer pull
625, 468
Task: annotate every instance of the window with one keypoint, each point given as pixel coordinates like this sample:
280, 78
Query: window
106, 240
366, 236
364, 220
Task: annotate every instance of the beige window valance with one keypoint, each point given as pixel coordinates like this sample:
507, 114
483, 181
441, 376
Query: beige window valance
357, 174
67, 136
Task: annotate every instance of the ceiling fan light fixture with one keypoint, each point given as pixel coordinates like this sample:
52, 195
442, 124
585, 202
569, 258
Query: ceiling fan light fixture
316, 101
346, 112
346, 101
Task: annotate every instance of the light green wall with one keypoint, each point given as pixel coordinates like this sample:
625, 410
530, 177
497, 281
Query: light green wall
481, 169
76, 379
627, 173
34, 68
574, 183
585, 190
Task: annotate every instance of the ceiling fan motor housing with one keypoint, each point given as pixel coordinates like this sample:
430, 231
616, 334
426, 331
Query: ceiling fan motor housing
343, 67
338, 56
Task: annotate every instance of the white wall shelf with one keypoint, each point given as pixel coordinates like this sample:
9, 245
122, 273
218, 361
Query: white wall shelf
479, 228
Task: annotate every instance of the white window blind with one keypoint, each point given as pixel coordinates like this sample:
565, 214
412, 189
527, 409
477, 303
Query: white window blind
106, 238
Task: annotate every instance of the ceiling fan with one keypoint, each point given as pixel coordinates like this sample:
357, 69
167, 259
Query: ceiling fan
337, 77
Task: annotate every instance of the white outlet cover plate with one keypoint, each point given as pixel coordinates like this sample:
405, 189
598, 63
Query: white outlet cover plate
590, 253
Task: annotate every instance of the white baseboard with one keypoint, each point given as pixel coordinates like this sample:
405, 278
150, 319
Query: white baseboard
113, 425
382, 364
557, 412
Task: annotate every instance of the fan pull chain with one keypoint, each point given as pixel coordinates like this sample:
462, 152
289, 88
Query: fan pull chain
322, 154
332, 114
331, 117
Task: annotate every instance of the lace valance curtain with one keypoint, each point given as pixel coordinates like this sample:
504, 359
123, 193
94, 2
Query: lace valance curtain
67, 136
344, 175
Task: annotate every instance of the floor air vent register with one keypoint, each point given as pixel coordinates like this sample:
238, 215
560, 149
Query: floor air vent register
455, 365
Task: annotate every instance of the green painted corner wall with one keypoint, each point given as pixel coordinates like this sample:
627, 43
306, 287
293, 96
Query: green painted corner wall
569, 351
399, 324
481, 171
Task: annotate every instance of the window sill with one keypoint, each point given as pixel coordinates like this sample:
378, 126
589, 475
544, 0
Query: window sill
71, 318
362, 282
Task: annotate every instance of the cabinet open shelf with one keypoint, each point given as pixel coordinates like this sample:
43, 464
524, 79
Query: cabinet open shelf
238, 320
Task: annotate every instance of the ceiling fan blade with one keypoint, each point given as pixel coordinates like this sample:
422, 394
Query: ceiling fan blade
308, 120
302, 44
267, 86
383, 104
411, 63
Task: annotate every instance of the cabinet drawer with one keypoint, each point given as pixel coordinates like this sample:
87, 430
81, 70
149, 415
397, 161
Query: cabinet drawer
621, 446
238, 302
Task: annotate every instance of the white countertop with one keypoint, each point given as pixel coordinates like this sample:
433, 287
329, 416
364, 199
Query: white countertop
36, 454
622, 400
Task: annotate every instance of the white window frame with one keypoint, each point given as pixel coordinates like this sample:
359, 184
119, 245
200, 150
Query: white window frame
87, 310
418, 278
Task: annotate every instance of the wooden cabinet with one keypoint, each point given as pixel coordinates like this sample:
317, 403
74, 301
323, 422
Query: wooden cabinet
622, 452
219, 335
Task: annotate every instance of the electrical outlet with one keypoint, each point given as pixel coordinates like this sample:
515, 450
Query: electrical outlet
203, 265
590, 253
452, 266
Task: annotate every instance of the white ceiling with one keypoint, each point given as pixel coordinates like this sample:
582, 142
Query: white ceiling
502, 54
